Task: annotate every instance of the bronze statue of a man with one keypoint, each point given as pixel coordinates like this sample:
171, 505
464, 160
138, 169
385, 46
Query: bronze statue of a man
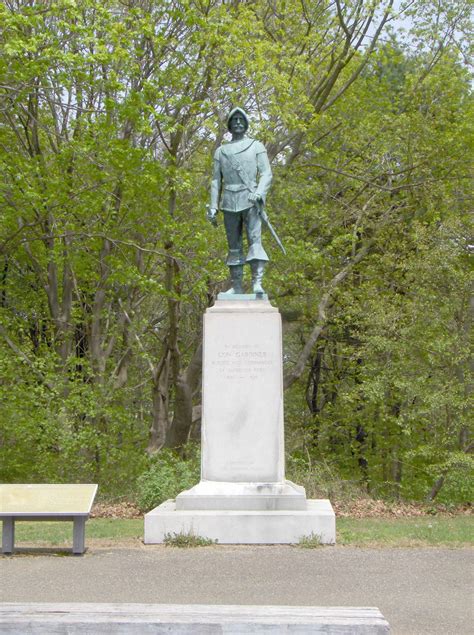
240, 181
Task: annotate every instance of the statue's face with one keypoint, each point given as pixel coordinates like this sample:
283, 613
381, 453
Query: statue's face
237, 124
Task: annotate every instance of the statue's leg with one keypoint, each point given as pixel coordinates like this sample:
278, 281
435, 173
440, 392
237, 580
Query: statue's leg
257, 267
257, 256
236, 277
235, 257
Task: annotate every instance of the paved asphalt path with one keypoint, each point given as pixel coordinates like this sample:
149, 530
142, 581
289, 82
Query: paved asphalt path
419, 591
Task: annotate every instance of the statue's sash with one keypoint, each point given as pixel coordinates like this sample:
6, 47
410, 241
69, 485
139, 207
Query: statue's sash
237, 166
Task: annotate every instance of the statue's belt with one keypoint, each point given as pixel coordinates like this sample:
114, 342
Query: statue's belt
238, 187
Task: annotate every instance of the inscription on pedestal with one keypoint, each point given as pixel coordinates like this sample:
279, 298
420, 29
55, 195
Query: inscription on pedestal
243, 361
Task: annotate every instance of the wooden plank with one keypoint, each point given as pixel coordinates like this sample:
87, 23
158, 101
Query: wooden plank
34, 618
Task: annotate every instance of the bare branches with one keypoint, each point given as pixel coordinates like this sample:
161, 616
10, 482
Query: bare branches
363, 63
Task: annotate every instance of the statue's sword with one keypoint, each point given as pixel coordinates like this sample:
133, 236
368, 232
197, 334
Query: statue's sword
266, 221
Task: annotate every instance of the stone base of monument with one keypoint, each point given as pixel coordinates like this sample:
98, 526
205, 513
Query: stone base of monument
243, 496
253, 496
243, 526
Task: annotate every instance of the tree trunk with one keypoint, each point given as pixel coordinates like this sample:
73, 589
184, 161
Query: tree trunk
438, 484
314, 379
361, 439
187, 385
96, 348
397, 471
160, 405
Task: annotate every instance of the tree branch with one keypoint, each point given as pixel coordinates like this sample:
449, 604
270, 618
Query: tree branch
321, 320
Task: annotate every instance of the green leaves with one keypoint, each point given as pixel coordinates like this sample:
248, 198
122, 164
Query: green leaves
109, 116
167, 476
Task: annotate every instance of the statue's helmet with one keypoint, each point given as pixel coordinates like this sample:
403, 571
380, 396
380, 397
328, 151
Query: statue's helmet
244, 115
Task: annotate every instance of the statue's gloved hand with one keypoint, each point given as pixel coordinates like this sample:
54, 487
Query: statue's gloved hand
254, 197
211, 215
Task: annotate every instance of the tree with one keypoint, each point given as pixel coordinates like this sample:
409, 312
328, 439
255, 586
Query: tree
110, 113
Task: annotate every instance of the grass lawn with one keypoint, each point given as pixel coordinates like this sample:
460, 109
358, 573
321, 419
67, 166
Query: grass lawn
60, 533
404, 532
370, 532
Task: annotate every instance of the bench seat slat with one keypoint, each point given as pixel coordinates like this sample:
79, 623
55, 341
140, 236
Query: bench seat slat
165, 618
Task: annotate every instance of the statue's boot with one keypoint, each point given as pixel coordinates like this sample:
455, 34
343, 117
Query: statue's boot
236, 276
257, 267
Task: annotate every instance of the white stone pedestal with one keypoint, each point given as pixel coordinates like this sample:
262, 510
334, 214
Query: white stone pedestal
243, 496
243, 527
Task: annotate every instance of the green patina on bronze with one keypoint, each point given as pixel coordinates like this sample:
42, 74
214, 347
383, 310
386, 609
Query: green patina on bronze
240, 181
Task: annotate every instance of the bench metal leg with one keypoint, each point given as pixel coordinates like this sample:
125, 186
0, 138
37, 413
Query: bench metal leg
79, 534
8, 535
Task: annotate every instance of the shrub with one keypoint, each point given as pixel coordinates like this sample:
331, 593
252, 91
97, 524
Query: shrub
312, 541
187, 540
320, 479
168, 475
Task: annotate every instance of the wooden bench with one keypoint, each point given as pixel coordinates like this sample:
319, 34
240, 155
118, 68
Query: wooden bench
136, 619
46, 502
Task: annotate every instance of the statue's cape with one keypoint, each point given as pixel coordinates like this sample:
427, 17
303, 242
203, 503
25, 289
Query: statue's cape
237, 147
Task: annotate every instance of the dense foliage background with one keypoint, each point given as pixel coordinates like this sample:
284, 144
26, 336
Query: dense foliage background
110, 112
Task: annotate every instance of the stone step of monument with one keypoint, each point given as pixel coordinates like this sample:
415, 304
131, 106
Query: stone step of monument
244, 527
225, 495
242, 297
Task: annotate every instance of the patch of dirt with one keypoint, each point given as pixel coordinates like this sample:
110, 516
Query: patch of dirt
123, 509
371, 508
358, 508
115, 543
